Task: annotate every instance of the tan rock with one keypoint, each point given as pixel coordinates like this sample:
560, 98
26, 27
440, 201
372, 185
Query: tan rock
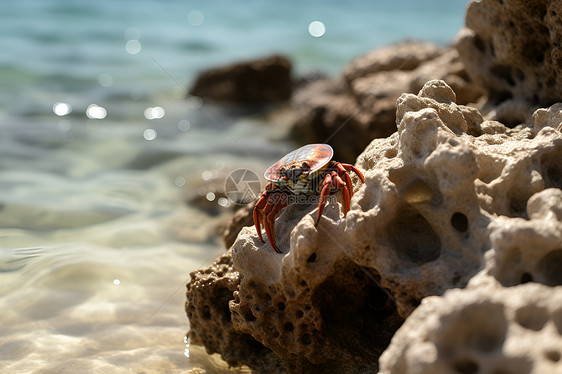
514, 50
406, 55
489, 329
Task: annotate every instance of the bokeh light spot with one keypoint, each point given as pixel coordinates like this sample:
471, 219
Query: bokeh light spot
105, 80
206, 175
62, 109
156, 112
316, 29
184, 125
223, 201
210, 196
179, 181
150, 134
95, 111
133, 46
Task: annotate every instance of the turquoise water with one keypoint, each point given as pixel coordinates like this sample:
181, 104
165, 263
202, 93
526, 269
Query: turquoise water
104, 162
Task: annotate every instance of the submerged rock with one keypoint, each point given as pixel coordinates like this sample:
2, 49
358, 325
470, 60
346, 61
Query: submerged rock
449, 200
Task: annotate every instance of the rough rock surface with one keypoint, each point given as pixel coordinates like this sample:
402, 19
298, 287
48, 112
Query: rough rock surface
266, 80
449, 198
514, 49
485, 329
208, 295
360, 105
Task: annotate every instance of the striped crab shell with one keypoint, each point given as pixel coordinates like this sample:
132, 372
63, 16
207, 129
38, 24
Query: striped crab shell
298, 168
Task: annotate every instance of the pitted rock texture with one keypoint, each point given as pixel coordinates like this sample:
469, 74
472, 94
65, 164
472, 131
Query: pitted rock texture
208, 294
485, 329
449, 200
514, 49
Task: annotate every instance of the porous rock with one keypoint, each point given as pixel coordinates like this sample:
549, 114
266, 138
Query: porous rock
265, 80
208, 294
448, 199
486, 329
513, 49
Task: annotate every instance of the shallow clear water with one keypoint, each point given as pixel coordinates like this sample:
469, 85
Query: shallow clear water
98, 225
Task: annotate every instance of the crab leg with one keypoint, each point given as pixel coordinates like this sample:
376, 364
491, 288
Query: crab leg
257, 210
326, 188
349, 167
270, 211
343, 172
341, 185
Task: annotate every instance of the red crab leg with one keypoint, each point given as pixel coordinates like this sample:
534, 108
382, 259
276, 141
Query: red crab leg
267, 223
343, 172
257, 210
271, 224
273, 206
326, 188
341, 185
349, 167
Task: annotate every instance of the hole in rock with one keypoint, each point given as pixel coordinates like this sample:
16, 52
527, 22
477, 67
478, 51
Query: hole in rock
479, 43
206, 312
459, 222
552, 355
478, 327
288, 327
391, 153
357, 315
552, 169
413, 238
518, 197
526, 278
503, 72
249, 316
281, 306
311, 258
550, 268
531, 317
306, 339
299, 314
466, 366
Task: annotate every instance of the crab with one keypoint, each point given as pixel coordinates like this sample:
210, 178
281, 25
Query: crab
307, 171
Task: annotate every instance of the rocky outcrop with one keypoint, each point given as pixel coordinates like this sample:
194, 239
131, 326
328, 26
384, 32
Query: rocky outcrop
360, 105
514, 50
262, 81
484, 329
449, 200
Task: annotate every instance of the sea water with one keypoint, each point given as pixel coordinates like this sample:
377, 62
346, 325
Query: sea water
108, 168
